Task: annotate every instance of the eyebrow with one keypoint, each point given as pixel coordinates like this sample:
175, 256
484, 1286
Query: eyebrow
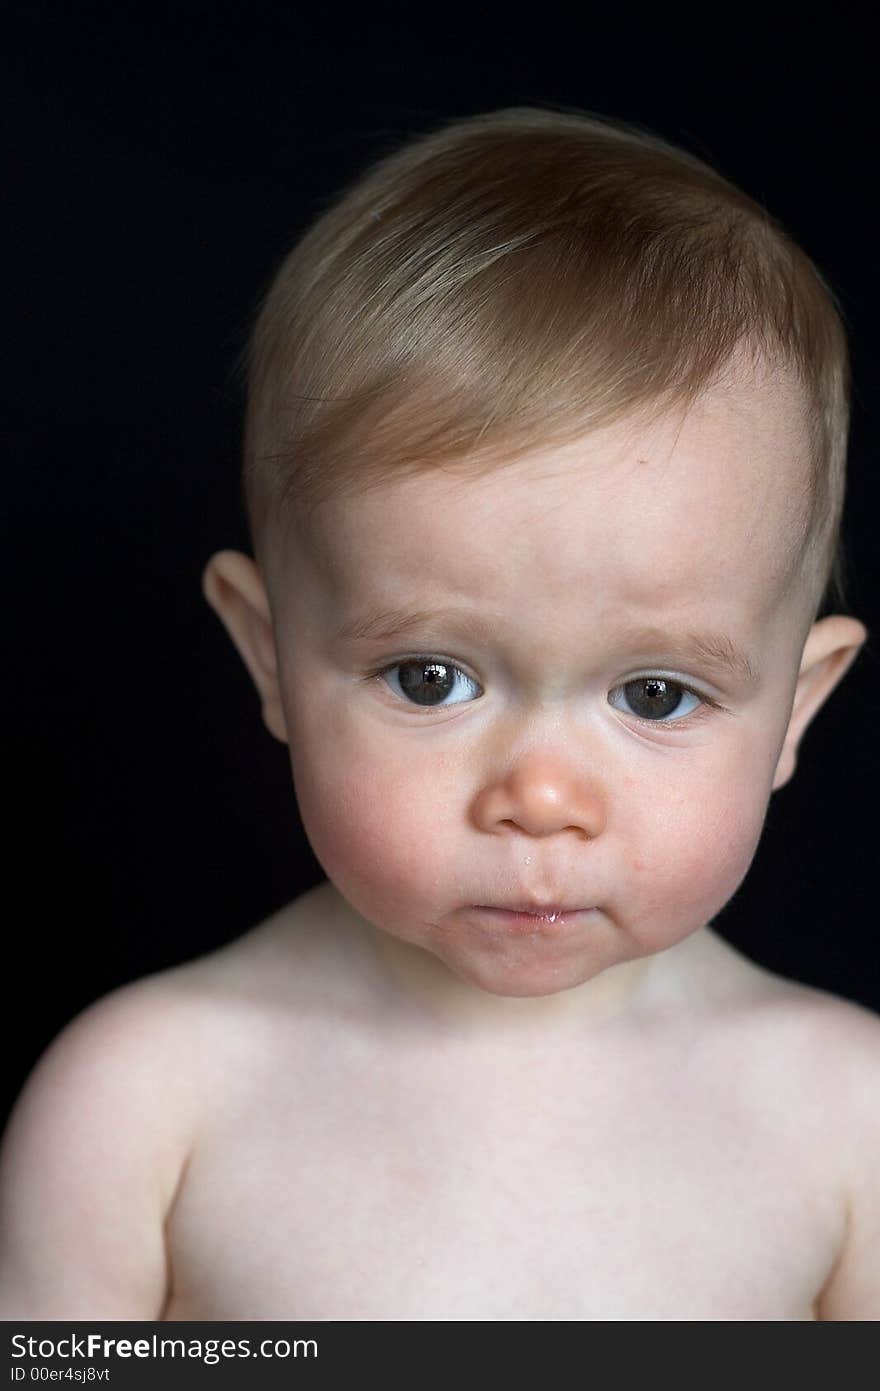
713, 651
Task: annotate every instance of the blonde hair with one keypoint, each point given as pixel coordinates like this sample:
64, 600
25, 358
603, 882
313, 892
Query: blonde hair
508, 282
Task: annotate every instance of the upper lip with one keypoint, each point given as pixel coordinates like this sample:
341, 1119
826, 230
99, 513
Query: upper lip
537, 909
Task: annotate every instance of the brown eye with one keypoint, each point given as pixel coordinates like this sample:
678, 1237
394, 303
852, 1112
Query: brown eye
426, 681
656, 698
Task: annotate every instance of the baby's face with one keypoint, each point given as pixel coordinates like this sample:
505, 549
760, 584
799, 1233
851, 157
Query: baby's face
544, 711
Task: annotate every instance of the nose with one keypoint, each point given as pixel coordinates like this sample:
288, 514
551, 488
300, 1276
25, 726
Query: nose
540, 796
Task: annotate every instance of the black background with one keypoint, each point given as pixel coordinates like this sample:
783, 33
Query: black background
160, 163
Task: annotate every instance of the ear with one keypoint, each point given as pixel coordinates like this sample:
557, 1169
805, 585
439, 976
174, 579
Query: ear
232, 585
831, 647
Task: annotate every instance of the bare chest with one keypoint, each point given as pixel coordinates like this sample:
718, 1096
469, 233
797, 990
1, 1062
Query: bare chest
375, 1197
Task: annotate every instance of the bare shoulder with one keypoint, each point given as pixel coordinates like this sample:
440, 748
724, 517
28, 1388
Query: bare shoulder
811, 1064
799, 1058
842, 1042
144, 1051
832, 1046
220, 1019
834, 1040
278, 971
791, 1023
111, 1113
90, 1161
122, 1052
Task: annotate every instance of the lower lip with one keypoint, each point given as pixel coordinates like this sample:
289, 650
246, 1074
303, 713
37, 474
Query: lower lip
532, 922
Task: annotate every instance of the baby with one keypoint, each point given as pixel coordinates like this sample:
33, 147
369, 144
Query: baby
544, 468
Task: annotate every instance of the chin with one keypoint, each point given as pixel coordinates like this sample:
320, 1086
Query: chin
522, 979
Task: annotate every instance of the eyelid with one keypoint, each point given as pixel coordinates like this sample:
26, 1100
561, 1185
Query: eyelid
707, 701
661, 675
641, 675
426, 657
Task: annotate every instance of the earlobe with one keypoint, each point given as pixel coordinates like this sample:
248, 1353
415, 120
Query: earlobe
232, 585
831, 647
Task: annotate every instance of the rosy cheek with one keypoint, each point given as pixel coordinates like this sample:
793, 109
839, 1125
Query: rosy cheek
694, 859
372, 826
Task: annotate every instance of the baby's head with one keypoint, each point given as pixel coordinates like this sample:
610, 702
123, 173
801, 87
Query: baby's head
544, 467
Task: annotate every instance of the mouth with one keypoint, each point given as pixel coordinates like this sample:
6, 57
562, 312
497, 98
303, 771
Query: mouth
531, 919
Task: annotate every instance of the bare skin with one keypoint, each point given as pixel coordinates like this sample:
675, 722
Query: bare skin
383, 1103
279, 1131
352, 1156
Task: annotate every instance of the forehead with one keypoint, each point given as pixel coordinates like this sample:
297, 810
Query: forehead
697, 512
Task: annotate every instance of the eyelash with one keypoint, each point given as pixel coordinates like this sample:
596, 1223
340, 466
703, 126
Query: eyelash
684, 721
